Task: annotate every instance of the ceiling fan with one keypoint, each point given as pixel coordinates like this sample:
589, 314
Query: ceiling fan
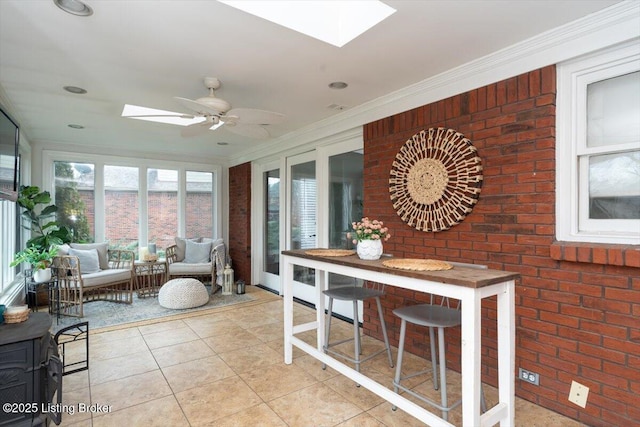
217, 112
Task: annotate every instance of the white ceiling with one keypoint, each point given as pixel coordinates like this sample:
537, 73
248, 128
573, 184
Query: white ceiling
145, 52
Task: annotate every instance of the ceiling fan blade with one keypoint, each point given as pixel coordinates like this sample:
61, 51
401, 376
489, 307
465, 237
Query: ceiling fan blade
256, 117
201, 109
196, 128
180, 116
251, 131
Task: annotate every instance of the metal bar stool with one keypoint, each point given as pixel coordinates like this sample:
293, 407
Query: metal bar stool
355, 294
434, 316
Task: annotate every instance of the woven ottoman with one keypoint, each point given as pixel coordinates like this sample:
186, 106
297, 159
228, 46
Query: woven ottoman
183, 293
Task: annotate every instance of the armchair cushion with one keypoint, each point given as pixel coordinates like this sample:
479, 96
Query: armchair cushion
181, 246
105, 277
197, 252
88, 260
102, 248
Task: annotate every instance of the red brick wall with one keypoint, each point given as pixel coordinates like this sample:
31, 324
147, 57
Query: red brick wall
121, 228
240, 220
577, 306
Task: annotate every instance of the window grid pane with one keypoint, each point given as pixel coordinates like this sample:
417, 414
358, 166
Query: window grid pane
121, 200
75, 199
199, 205
162, 206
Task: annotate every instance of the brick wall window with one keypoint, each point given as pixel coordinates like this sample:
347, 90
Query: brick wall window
131, 202
598, 156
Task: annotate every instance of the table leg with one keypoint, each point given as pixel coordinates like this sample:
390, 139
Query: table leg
506, 350
471, 360
287, 287
321, 284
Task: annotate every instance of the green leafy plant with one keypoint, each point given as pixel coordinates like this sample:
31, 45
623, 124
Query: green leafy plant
46, 232
39, 259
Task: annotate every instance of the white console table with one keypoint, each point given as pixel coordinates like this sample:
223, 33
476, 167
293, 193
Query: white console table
465, 284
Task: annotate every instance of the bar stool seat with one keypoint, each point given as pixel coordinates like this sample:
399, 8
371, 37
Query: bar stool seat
434, 316
355, 294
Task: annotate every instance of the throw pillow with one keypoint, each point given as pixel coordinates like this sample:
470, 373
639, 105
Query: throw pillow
88, 259
197, 253
102, 248
181, 245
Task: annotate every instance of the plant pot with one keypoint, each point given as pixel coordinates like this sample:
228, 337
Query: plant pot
42, 275
369, 249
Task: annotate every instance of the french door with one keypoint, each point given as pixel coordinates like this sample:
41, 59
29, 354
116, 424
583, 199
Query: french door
301, 218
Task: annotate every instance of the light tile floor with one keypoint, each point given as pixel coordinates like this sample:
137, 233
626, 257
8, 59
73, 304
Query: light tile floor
225, 368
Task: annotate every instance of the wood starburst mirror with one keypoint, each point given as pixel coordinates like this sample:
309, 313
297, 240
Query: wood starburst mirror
435, 179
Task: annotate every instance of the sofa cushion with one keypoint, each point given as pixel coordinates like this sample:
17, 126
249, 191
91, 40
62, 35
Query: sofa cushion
88, 260
197, 253
181, 246
183, 268
102, 248
104, 277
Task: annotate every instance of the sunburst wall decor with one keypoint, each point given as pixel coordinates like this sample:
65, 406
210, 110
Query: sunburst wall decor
435, 179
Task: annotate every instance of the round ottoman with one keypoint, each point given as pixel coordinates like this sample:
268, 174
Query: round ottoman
183, 293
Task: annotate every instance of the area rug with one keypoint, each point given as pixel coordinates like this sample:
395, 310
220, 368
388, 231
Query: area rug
103, 314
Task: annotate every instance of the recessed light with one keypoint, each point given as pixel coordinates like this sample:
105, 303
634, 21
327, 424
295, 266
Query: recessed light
74, 7
72, 126
223, 143
75, 89
338, 85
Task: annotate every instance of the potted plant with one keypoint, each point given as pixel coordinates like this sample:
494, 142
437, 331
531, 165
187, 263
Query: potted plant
39, 259
46, 233
368, 236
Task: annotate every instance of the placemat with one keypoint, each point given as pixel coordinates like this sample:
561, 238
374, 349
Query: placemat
330, 252
417, 264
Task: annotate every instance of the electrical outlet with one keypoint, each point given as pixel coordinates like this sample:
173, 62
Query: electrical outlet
528, 376
578, 394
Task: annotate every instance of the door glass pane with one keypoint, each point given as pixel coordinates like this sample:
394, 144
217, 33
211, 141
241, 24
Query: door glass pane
303, 215
345, 203
75, 199
199, 206
613, 111
614, 186
272, 222
162, 206
121, 219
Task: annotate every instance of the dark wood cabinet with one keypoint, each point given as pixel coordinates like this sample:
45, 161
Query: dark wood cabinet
30, 372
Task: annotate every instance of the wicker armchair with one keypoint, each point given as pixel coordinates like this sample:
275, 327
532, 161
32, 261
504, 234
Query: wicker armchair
210, 272
114, 283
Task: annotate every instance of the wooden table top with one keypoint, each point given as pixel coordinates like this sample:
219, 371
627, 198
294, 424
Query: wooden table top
458, 275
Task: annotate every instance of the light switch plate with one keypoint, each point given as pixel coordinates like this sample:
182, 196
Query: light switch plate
578, 394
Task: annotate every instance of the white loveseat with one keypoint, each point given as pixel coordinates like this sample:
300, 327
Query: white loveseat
199, 258
90, 272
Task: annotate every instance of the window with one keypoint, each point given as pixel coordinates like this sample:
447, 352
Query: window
162, 206
199, 219
130, 201
598, 147
9, 228
121, 188
74, 196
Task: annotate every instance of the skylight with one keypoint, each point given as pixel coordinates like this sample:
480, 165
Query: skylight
162, 116
336, 22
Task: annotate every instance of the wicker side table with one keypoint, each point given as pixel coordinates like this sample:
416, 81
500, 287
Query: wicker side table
150, 276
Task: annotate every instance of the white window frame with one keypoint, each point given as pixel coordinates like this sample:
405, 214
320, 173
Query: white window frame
49, 157
572, 222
